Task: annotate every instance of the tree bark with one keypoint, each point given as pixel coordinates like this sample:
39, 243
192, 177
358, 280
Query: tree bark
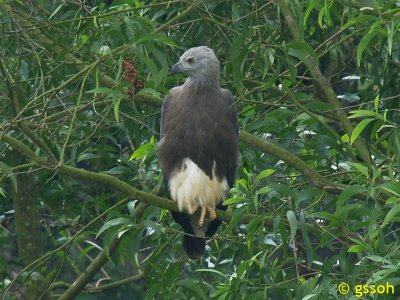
27, 225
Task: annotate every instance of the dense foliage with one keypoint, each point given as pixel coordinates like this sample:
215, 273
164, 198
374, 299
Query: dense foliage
317, 196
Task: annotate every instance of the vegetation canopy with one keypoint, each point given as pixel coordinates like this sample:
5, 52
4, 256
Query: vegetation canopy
84, 212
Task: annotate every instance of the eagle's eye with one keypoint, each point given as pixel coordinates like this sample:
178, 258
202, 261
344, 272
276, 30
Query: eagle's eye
190, 60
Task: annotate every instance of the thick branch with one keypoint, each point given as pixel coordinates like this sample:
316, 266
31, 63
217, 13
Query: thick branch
110, 181
98, 263
89, 273
325, 86
277, 151
38, 262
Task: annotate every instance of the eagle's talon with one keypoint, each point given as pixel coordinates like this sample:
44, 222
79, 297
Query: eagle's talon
211, 212
202, 215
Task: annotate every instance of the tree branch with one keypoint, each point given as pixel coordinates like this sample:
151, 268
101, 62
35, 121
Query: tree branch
324, 85
177, 18
90, 272
277, 151
110, 181
80, 283
111, 285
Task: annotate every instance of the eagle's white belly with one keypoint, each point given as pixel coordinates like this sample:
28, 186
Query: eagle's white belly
190, 187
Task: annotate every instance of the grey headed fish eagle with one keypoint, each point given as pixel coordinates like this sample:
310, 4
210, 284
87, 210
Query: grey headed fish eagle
198, 147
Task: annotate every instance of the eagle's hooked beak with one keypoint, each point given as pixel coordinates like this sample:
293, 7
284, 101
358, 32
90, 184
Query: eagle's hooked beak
177, 68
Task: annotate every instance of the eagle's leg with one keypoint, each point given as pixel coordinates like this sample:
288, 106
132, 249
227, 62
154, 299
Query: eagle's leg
203, 211
202, 215
211, 212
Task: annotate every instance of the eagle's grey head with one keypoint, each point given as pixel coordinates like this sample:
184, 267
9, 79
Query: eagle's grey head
200, 64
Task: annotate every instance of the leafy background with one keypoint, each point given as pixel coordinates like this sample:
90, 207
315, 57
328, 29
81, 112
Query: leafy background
82, 200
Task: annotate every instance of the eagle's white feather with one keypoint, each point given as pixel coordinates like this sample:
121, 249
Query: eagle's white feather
190, 187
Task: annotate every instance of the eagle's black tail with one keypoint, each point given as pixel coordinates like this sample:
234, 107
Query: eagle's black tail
194, 245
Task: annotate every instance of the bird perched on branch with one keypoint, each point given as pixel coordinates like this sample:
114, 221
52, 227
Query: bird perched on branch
198, 146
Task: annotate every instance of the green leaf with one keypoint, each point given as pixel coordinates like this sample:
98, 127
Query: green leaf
243, 269
390, 33
310, 7
264, 190
391, 214
391, 188
251, 231
364, 43
292, 224
283, 190
302, 51
101, 90
6, 169
213, 271
152, 67
272, 79
122, 232
233, 200
155, 37
393, 200
376, 103
193, 286
365, 113
243, 183
119, 170
306, 239
359, 167
55, 11
324, 216
379, 259
359, 128
264, 174
153, 291
88, 156
239, 52
142, 151
96, 22
325, 11
149, 91
112, 223
357, 248
116, 103
358, 20
237, 214
131, 207
160, 56
348, 193
153, 225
